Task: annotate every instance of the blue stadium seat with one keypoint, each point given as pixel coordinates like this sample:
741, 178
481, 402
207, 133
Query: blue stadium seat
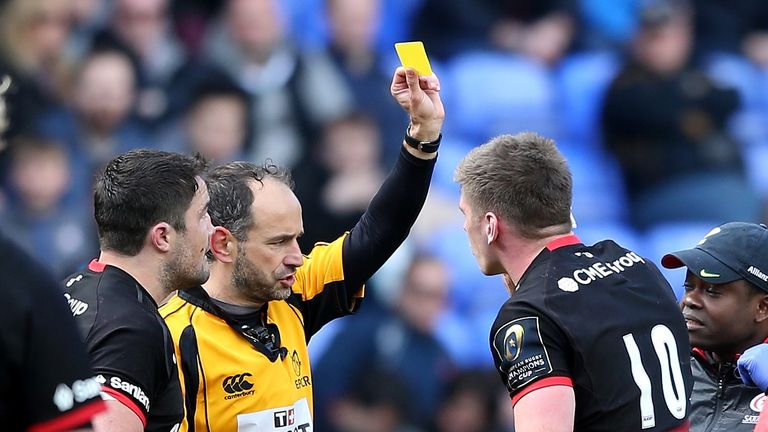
756, 161
471, 290
623, 234
474, 299
598, 188
608, 23
735, 71
396, 22
494, 93
452, 151
309, 23
582, 81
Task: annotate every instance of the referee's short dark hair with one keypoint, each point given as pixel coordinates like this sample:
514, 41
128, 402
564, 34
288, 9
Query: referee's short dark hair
231, 195
522, 178
139, 189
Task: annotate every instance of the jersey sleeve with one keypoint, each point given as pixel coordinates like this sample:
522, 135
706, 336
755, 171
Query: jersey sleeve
321, 292
128, 362
59, 391
529, 351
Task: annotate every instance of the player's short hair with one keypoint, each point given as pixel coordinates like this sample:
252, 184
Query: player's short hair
522, 178
232, 197
139, 189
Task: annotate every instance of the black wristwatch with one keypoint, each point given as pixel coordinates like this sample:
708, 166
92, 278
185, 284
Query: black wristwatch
425, 146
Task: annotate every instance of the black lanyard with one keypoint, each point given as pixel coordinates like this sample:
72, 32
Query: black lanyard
265, 338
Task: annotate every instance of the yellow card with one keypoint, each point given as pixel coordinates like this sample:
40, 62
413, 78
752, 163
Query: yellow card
412, 55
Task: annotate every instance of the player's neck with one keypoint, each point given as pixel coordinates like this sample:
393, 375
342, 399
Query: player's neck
518, 254
145, 269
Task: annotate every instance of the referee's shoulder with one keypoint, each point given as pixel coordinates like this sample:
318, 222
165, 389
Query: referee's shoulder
173, 307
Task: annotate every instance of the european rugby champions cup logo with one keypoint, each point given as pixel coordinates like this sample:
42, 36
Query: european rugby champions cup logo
296, 360
513, 342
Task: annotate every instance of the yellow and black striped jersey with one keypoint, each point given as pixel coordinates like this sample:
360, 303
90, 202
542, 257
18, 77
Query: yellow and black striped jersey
233, 384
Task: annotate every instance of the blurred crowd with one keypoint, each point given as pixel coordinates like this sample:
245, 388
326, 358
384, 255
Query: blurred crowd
660, 106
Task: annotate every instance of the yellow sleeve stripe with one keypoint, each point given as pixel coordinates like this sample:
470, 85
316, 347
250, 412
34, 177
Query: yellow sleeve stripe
321, 267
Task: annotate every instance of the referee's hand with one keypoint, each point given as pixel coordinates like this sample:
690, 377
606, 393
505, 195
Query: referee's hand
420, 98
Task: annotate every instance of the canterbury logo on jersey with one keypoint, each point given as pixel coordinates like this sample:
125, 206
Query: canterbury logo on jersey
237, 385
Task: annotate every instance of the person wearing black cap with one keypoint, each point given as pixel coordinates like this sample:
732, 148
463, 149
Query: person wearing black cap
725, 306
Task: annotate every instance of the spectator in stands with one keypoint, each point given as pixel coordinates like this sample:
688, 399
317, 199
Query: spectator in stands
540, 29
32, 37
37, 217
469, 403
87, 19
97, 126
142, 28
215, 123
376, 402
665, 121
733, 27
336, 184
400, 341
353, 26
293, 93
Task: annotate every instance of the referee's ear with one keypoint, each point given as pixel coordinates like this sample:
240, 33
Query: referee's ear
223, 245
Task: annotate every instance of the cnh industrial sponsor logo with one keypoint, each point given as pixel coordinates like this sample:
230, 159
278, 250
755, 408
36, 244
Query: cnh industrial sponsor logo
237, 386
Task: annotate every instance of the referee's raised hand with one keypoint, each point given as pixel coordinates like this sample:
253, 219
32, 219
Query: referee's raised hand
420, 98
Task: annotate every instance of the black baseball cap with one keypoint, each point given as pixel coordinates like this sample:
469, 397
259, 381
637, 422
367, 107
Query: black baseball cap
736, 250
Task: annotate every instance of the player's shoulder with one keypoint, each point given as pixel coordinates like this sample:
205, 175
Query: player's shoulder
520, 306
90, 290
176, 310
602, 264
323, 263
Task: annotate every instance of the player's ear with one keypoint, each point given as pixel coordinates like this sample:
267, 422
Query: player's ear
491, 227
223, 245
761, 314
160, 236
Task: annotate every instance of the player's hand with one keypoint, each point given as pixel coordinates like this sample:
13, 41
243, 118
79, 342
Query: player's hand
420, 98
753, 366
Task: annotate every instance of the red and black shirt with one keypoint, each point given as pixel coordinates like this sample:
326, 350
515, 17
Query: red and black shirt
604, 321
129, 344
